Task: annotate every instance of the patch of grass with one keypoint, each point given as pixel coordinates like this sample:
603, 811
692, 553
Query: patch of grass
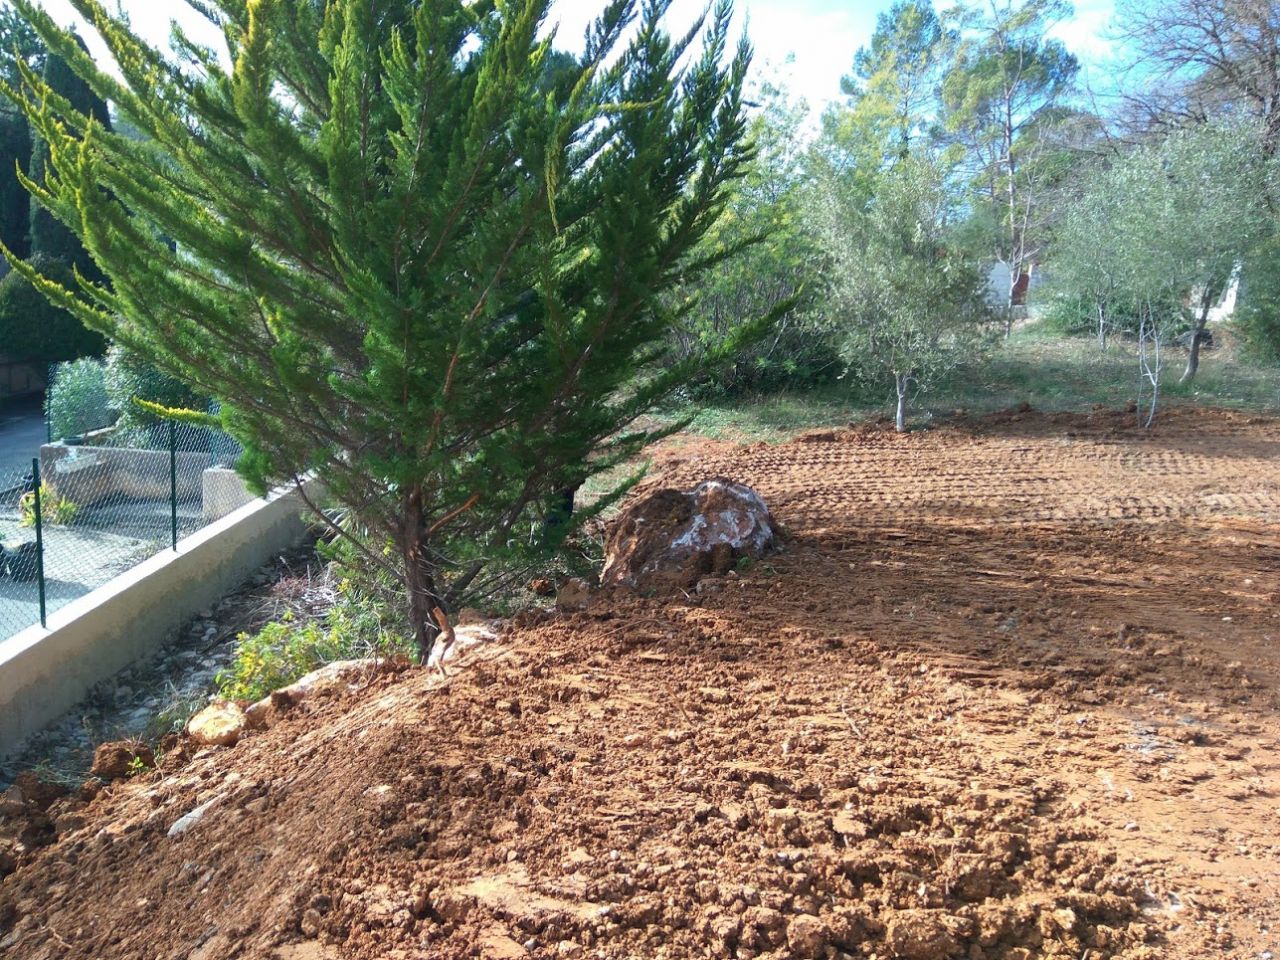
1036, 366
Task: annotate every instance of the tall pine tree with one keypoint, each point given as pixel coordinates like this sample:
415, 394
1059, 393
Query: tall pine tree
409, 256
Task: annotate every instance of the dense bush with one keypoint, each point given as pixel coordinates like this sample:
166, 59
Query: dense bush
130, 377
357, 625
1257, 316
32, 329
77, 398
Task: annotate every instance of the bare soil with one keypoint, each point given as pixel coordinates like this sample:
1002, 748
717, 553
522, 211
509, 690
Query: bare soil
1010, 691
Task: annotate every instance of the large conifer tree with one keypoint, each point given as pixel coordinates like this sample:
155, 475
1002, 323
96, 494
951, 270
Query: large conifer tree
410, 249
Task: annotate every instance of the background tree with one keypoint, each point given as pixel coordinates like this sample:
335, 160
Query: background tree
1169, 223
401, 262
49, 237
1195, 60
768, 204
1003, 85
903, 303
33, 330
893, 91
18, 43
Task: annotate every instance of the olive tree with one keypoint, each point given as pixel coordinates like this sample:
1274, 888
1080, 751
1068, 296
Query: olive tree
904, 303
1164, 228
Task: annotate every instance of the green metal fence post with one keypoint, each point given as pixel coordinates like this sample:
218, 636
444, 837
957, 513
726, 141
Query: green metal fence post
48, 389
173, 483
35, 476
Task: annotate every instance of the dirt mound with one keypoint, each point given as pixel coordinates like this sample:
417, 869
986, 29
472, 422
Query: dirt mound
945, 739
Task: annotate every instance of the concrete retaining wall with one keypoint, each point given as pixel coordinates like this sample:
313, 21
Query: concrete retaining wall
88, 475
43, 673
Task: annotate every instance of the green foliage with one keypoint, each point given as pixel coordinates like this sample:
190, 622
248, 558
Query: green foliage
904, 305
415, 253
34, 330
773, 272
893, 89
357, 625
1257, 315
131, 378
54, 509
1168, 220
49, 237
77, 398
15, 205
1001, 92
19, 44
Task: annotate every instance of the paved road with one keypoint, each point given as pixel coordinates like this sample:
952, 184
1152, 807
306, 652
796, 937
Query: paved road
22, 430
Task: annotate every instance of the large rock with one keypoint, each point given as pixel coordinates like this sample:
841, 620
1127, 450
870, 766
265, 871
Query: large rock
219, 724
671, 538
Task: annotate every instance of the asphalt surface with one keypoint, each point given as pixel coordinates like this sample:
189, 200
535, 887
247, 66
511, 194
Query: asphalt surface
22, 431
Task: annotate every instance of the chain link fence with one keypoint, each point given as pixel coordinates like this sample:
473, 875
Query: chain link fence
92, 506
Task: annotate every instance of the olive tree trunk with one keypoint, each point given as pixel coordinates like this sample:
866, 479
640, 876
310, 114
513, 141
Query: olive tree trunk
900, 382
1193, 352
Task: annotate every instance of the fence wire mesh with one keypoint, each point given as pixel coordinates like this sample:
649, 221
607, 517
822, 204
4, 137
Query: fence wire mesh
107, 500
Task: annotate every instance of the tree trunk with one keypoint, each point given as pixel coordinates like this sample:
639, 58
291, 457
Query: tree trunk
1102, 328
1193, 353
419, 584
900, 381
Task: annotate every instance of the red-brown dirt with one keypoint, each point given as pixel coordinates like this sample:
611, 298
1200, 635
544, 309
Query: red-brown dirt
1009, 692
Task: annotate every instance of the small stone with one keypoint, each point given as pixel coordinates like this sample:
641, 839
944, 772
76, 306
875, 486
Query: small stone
219, 724
573, 594
187, 821
807, 936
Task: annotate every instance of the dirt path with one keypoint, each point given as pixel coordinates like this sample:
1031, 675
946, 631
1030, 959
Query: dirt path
1010, 692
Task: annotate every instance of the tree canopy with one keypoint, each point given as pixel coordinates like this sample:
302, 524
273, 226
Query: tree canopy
406, 257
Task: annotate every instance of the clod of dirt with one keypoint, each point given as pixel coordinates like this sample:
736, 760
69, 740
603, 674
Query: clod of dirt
921, 935
807, 936
120, 759
220, 724
573, 594
671, 538
30, 791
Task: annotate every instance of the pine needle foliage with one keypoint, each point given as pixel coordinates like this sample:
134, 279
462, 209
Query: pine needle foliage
414, 249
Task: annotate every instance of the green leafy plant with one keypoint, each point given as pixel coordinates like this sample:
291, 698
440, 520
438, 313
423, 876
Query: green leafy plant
356, 625
77, 400
55, 510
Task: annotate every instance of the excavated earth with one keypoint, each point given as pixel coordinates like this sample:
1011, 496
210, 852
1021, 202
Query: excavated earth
1009, 691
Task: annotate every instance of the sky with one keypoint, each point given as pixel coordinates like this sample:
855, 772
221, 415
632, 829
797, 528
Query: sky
809, 44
